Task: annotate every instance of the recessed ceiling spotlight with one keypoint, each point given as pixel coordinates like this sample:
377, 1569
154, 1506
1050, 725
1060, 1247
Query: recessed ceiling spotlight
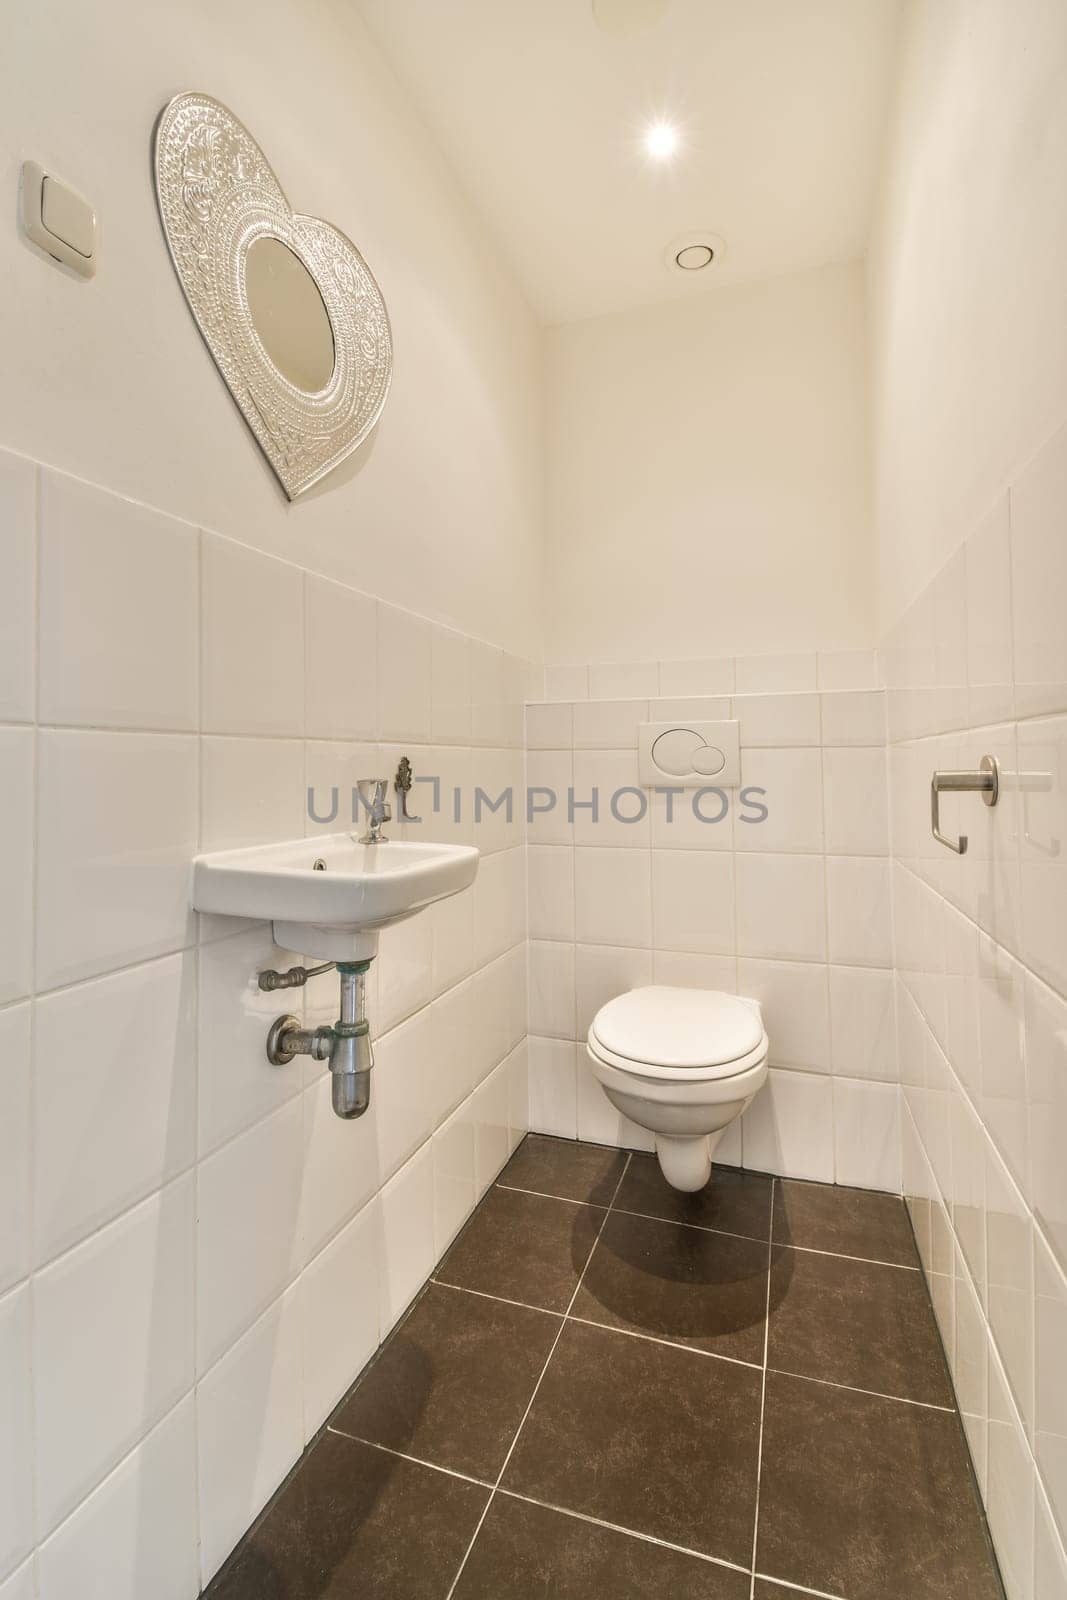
694, 251
661, 140
692, 257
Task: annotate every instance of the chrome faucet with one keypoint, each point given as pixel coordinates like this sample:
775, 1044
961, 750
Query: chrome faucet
378, 809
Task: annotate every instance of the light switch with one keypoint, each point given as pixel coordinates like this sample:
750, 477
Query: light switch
59, 220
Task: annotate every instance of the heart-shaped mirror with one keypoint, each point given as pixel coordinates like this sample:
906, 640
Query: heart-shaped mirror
286, 304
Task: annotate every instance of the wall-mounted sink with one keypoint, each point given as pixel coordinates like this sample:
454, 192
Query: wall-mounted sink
331, 896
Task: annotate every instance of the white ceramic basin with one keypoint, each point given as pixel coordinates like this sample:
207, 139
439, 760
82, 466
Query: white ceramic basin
335, 911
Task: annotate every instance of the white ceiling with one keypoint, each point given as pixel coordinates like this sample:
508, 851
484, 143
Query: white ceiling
781, 105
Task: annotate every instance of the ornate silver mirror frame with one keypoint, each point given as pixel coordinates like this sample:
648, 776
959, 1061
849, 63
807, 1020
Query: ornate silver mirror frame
217, 196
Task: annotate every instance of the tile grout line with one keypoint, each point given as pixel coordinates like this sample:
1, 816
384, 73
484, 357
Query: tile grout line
537, 1386
703, 1227
763, 1393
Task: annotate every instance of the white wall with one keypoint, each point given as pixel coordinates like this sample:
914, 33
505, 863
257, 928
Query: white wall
969, 330
196, 1257
110, 379
709, 476
968, 263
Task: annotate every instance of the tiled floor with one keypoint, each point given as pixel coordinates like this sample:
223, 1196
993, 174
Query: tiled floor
614, 1390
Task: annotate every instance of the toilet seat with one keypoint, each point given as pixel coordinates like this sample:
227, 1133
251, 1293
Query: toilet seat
666, 1034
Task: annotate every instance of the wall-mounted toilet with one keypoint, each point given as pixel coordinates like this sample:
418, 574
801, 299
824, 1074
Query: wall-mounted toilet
683, 1063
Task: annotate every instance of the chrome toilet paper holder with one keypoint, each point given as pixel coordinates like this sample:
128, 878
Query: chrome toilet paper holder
986, 782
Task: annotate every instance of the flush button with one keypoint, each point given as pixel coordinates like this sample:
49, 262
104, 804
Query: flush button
59, 220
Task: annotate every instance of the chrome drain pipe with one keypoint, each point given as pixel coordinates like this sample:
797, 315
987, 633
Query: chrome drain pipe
346, 1046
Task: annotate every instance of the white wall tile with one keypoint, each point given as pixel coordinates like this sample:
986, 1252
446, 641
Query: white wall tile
969, 1363
1050, 1560
554, 1086
777, 673
789, 784
116, 652
551, 989
250, 1428
517, 1067
450, 686
1046, 1068
550, 891
115, 1117
612, 897
863, 1023
497, 799
136, 1535
788, 1128
1010, 1285
404, 675
713, 676
623, 680
610, 805
566, 683
608, 724
692, 902
491, 1026
451, 939
776, 720
1043, 847
489, 1109
603, 971
128, 1291
22, 1584
405, 971
1039, 581
248, 1244
404, 1060
781, 909
237, 1084
796, 1010
550, 726
116, 829
549, 776
856, 787
854, 718
1050, 1392
18, 544
859, 909
16, 1429
341, 661
407, 1203
339, 1314
1010, 1498
499, 904
252, 792
14, 1144
454, 1192
16, 862
340, 1167
867, 1135
252, 648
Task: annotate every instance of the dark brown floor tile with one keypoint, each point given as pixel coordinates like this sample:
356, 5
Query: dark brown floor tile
355, 1521
868, 1498
452, 1383
858, 1323
563, 1168
704, 1289
647, 1436
772, 1591
736, 1202
523, 1247
526, 1552
848, 1222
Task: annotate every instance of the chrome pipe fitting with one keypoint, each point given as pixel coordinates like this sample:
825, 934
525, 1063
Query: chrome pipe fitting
346, 1046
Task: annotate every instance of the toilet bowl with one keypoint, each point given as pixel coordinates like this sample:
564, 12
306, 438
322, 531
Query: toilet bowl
683, 1063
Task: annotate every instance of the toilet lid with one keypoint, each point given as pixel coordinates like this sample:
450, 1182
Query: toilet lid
669, 1027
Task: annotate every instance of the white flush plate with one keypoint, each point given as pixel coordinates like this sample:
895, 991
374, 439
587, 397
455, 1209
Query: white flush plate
690, 755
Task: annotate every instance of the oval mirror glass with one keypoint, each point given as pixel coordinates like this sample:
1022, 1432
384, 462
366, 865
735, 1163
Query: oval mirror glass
289, 314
